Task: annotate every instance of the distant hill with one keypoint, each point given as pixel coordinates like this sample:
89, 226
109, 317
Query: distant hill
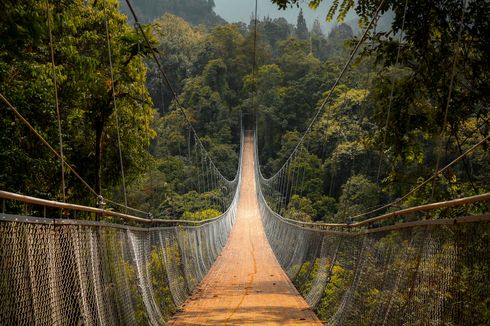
194, 11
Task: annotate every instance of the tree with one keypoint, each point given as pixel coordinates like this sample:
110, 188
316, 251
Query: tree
275, 30
412, 135
84, 89
265, 96
301, 28
295, 59
180, 44
317, 29
337, 39
300, 209
90, 94
358, 195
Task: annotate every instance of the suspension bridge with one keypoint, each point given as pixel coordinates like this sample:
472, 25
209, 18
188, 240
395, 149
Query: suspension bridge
67, 264
250, 265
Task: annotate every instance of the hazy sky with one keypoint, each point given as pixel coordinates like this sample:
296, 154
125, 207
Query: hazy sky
242, 10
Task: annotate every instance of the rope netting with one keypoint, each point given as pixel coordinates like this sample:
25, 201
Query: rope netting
82, 272
427, 267
62, 263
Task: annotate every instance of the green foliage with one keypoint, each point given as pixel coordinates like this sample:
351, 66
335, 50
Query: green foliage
358, 195
191, 203
300, 208
301, 28
136, 298
84, 89
204, 214
210, 70
338, 284
180, 43
161, 289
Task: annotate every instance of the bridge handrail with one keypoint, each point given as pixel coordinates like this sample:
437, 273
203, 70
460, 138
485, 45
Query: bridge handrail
402, 212
386, 216
100, 211
81, 208
5, 195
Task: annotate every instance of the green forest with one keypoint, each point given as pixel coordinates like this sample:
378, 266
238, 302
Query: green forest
402, 110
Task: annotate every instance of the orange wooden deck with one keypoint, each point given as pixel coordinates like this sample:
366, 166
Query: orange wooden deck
246, 285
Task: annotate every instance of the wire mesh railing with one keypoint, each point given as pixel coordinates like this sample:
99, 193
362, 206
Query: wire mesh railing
59, 271
422, 266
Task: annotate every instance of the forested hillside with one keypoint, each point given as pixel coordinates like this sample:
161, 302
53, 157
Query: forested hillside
357, 157
209, 68
194, 11
212, 72
405, 109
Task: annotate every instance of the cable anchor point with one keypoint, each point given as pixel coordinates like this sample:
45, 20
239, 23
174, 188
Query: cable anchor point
100, 202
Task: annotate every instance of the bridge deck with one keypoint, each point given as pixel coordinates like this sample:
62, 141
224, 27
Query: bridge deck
246, 285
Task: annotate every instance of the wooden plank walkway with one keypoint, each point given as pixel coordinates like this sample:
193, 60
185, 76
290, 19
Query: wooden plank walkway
246, 285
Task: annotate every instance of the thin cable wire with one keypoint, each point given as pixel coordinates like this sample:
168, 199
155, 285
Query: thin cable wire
113, 90
55, 86
392, 90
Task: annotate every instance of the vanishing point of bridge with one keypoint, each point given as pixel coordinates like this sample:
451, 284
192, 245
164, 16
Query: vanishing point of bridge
246, 284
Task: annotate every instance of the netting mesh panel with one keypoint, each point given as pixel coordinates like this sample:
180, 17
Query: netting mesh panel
422, 274
174, 269
87, 273
322, 269
74, 272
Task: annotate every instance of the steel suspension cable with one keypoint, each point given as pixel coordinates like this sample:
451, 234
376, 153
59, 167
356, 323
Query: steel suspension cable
166, 79
463, 155
113, 91
337, 80
55, 86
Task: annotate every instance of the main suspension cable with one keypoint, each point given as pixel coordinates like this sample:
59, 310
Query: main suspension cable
58, 155
337, 81
167, 80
